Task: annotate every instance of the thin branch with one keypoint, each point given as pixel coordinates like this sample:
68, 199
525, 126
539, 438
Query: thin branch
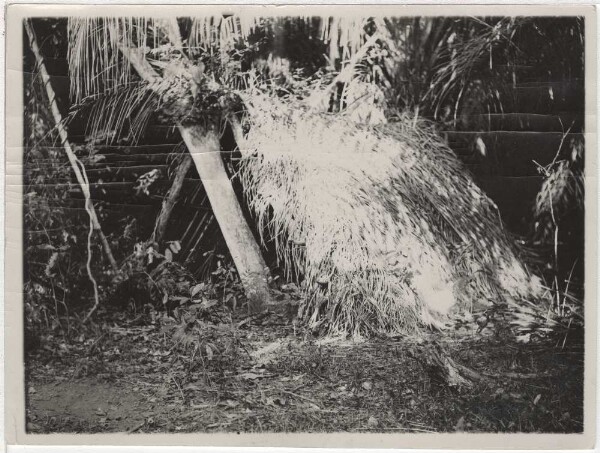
302, 397
89, 271
77, 166
171, 198
179, 387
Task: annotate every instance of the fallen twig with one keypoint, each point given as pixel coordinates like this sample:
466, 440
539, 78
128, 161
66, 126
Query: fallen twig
513, 375
179, 387
305, 398
95, 343
252, 318
135, 428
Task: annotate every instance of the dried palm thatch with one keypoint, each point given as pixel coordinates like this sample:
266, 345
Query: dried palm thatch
382, 224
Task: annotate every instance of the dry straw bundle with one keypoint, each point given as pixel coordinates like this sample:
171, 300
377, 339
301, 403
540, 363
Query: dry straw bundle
382, 224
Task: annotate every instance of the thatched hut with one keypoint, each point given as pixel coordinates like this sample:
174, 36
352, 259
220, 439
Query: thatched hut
382, 224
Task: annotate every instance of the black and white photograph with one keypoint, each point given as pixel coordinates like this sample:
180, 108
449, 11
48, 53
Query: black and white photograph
342, 220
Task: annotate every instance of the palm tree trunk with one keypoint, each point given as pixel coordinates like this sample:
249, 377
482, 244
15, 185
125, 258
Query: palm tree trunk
170, 200
205, 149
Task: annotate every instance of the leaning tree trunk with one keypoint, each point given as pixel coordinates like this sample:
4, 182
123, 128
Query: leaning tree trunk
169, 203
204, 147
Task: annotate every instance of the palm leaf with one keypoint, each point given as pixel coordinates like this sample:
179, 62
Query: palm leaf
124, 111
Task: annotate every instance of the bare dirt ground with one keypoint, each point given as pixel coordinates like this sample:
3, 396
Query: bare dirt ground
266, 375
